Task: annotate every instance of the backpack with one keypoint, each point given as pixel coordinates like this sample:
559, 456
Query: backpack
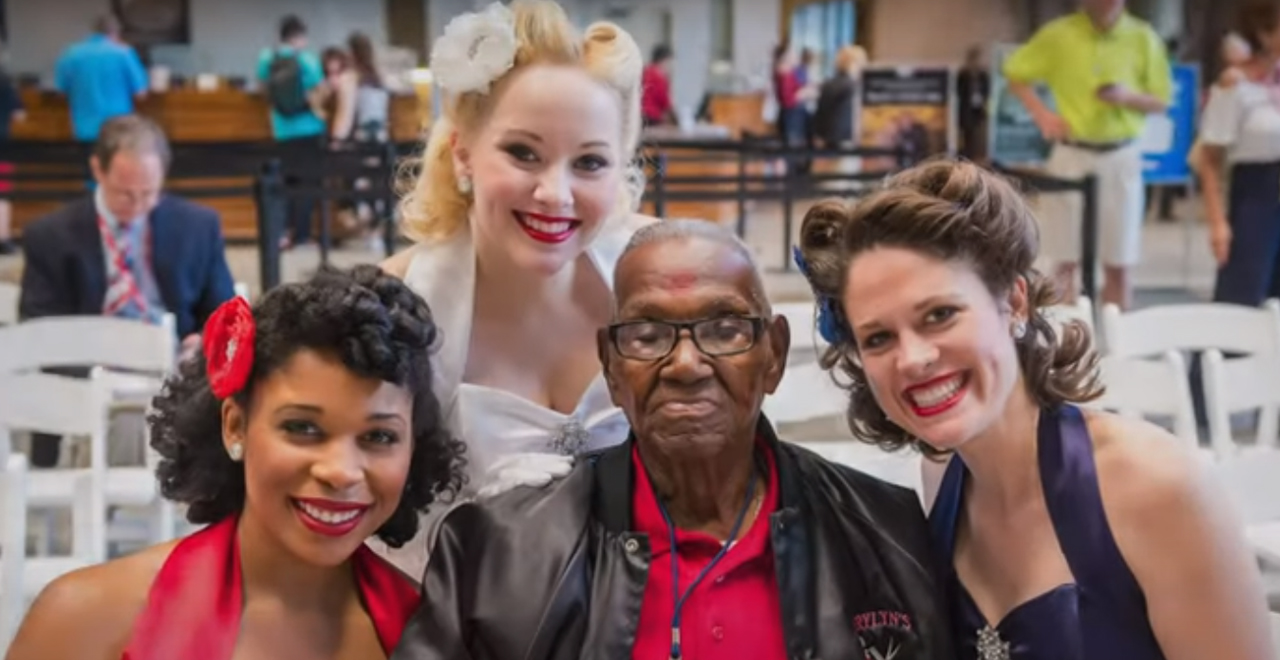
284, 86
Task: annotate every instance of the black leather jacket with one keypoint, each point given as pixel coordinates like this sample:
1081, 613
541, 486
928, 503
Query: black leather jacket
557, 574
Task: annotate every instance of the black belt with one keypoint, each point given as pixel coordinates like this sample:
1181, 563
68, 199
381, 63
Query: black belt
1098, 147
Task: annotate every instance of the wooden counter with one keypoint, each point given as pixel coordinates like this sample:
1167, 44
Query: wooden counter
188, 115
739, 113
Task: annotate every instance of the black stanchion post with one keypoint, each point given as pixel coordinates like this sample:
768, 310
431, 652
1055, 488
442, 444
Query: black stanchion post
660, 185
322, 200
389, 202
1089, 239
268, 192
742, 190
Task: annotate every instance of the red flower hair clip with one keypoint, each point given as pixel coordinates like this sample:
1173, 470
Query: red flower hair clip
228, 347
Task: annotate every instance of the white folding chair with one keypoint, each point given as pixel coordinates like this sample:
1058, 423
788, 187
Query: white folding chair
80, 341
1251, 484
9, 295
1242, 384
68, 407
1275, 633
1082, 311
1192, 327
13, 543
1253, 332
133, 358
1150, 388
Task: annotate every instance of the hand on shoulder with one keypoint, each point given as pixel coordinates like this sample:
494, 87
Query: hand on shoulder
99, 603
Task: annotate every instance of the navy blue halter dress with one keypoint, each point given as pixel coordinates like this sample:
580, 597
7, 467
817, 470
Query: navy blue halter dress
1103, 615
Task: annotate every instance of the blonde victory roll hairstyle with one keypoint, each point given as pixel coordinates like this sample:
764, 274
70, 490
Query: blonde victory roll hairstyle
432, 206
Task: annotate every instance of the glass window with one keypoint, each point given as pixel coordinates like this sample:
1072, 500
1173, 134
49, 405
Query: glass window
722, 30
823, 27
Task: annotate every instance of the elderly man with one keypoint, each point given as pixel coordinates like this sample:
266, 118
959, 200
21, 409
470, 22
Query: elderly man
778, 553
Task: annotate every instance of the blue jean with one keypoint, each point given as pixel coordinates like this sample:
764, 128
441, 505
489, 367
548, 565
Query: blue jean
1252, 272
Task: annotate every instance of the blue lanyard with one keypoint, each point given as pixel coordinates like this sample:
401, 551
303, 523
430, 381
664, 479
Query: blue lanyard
675, 563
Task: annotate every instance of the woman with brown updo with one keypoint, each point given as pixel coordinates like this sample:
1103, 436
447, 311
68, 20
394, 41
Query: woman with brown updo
1065, 533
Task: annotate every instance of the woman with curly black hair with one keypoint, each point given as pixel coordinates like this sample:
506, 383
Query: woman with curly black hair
304, 428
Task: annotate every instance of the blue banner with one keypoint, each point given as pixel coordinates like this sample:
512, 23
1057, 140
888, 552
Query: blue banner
1014, 138
1167, 140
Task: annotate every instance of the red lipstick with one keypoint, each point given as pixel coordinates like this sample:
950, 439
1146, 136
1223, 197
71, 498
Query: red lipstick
329, 517
936, 405
547, 228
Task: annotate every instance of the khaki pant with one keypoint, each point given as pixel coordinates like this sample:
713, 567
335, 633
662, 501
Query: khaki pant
1121, 205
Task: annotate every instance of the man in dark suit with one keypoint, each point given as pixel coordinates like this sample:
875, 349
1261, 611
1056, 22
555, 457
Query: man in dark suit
128, 250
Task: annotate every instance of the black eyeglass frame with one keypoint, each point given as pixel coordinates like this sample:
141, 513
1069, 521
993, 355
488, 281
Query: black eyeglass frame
757, 329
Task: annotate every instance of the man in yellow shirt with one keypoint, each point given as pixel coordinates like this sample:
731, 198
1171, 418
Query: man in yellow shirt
1107, 71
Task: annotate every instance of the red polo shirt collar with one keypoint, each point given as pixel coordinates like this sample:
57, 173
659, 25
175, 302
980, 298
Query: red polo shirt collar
735, 612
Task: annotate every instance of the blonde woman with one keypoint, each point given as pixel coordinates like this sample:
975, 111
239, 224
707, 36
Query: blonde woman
524, 202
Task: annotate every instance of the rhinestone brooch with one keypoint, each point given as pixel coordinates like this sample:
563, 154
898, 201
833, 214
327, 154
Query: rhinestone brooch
990, 646
570, 439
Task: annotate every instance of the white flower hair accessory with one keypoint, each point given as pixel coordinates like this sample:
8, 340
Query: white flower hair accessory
475, 50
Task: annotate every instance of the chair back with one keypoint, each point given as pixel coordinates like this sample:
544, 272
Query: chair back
89, 341
9, 296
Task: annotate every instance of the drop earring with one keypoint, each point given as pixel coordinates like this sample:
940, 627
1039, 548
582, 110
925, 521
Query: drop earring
1020, 330
464, 184
236, 451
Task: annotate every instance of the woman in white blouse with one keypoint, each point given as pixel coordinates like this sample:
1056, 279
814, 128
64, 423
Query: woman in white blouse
1240, 135
524, 202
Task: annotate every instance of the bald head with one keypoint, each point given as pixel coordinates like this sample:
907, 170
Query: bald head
677, 254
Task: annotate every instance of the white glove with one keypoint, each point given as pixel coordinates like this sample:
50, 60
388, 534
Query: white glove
531, 469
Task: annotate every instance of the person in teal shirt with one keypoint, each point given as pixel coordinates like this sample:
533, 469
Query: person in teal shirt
308, 75
102, 77
289, 75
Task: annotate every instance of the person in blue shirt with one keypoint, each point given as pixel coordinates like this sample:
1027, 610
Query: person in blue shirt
102, 77
290, 75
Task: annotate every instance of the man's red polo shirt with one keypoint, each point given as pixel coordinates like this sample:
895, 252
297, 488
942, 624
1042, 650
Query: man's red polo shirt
735, 612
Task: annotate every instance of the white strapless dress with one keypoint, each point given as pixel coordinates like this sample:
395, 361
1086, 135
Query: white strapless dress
492, 422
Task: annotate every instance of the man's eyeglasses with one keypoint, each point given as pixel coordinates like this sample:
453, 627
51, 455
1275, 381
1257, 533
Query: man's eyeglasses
654, 340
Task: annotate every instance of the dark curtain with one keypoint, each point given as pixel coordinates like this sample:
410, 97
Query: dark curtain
1207, 22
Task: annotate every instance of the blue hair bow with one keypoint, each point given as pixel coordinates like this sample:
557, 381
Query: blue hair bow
829, 323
